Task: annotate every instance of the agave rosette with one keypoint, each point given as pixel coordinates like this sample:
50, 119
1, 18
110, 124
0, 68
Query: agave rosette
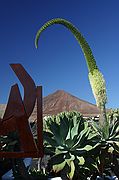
67, 140
108, 135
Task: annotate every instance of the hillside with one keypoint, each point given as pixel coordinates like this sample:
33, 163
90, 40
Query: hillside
63, 101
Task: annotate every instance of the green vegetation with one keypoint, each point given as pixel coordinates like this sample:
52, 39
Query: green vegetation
95, 77
101, 138
11, 143
67, 140
80, 149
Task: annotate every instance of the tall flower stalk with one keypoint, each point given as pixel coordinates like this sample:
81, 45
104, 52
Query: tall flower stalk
96, 79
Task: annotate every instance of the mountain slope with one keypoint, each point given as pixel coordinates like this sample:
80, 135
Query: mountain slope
62, 101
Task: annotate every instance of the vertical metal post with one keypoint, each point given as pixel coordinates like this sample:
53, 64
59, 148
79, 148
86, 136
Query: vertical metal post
40, 122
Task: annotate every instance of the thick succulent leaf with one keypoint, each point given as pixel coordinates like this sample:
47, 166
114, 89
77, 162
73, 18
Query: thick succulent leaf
92, 136
117, 143
114, 128
71, 158
94, 142
82, 151
83, 134
71, 174
95, 150
114, 135
116, 147
87, 148
69, 143
83, 137
85, 125
94, 166
75, 120
82, 140
46, 133
78, 152
57, 159
75, 139
60, 150
64, 127
97, 128
111, 149
55, 129
50, 140
59, 167
81, 160
69, 133
49, 150
74, 131
81, 125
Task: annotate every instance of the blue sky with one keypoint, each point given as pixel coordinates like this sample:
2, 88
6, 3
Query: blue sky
59, 63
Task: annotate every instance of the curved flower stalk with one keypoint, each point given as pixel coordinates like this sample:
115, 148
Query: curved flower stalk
96, 79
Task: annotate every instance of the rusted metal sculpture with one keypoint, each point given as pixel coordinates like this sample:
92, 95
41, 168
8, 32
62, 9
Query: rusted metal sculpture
17, 114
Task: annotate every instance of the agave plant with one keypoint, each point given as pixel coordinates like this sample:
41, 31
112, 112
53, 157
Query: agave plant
67, 140
104, 135
113, 115
95, 76
107, 142
11, 143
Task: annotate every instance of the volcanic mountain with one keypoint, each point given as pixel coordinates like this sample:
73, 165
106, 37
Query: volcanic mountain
63, 101
60, 101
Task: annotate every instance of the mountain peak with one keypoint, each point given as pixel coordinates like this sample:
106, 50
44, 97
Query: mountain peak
61, 100
60, 91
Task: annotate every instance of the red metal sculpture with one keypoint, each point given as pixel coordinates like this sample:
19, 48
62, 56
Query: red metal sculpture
17, 114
